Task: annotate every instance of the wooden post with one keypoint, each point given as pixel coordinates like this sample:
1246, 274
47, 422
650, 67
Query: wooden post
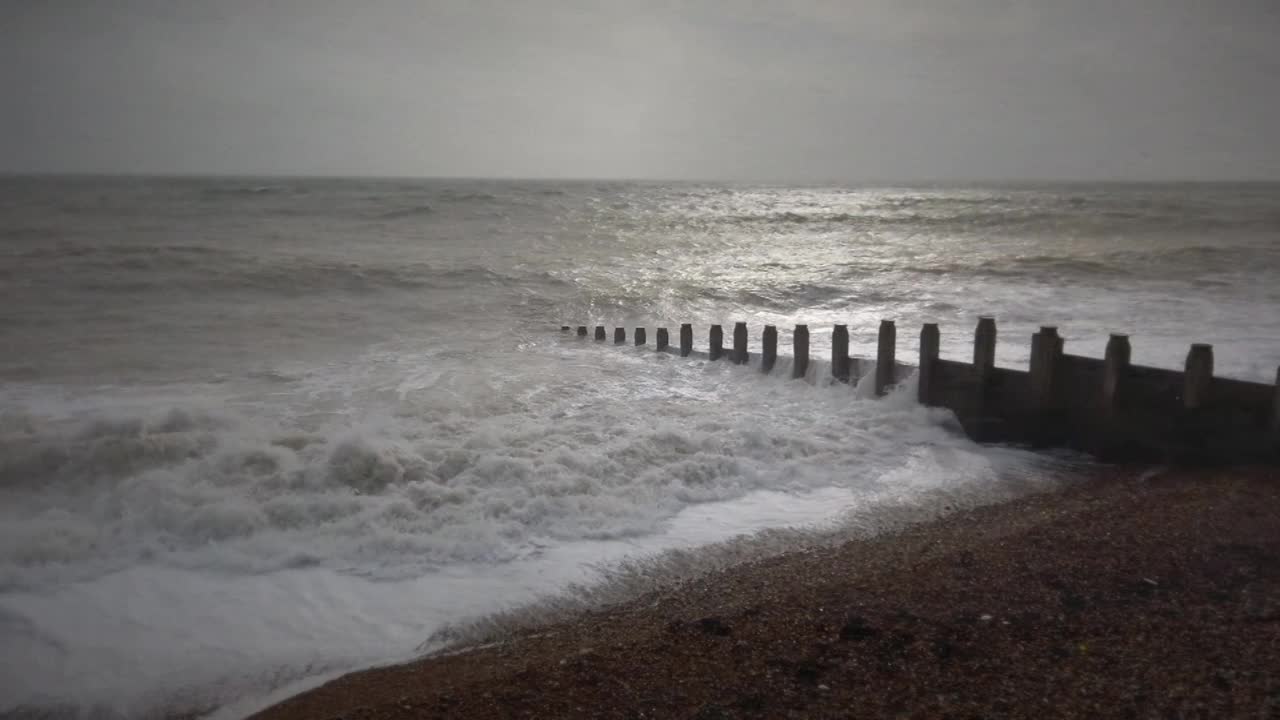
600, 334
740, 343
1198, 377
1275, 412
840, 353
1045, 347
619, 336
1115, 368
930, 341
886, 349
800, 348
641, 336
984, 362
717, 343
664, 339
686, 339
984, 345
1037, 371
582, 331
769, 348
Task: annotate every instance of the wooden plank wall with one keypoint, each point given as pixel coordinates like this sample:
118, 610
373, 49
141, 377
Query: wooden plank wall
1108, 407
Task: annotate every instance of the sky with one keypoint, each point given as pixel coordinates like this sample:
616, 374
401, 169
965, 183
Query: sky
850, 90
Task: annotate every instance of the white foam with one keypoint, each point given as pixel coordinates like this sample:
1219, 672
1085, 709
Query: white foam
166, 552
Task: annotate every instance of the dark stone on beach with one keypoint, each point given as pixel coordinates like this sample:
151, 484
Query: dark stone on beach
899, 642
1222, 681
943, 650
1073, 601
753, 702
713, 712
808, 671
856, 628
714, 626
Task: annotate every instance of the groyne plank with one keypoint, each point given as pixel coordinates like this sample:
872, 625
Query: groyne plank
1109, 407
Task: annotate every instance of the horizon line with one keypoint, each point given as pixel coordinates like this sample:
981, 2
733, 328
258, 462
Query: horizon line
868, 182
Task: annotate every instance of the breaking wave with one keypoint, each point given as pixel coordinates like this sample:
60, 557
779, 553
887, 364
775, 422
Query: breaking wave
243, 190
140, 269
407, 212
158, 501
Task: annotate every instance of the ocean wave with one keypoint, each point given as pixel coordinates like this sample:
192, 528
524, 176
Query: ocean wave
205, 549
194, 487
879, 219
102, 449
960, 216
786, 297
61, 251
20, 233
243, 190
412, 211
635, 576
1154, 263
140, 269
1032, 266
465, 196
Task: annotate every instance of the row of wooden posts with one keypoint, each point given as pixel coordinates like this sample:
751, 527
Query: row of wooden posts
1061, 396
1044, 346
841, 363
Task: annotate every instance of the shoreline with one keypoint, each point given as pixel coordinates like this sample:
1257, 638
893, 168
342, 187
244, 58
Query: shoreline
1128, 594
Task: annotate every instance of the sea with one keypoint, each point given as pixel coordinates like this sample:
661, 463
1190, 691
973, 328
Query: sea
256, 432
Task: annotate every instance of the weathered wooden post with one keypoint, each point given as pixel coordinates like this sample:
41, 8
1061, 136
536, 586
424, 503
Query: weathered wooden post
930, 342
600, 334
740, 343
686, 339
1045, 348
582, 331
619, 336
769, 348
641, 336
1275, 413
717, 343
800, 348
1114, 369
663, 339
984, 345
1043, 423
1198, 376
984, 363
886, 350
840, 353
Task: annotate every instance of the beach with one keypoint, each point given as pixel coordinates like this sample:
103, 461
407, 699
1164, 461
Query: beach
259, 433
1136, 593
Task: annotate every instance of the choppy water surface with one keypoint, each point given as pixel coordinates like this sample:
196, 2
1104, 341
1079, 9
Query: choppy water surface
253, 431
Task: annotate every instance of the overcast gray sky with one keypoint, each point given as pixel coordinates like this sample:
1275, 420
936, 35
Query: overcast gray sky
845, 90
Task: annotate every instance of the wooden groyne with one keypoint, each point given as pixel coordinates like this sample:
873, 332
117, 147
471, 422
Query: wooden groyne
1109, 407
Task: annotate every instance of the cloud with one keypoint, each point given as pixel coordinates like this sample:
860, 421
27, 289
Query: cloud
964, 89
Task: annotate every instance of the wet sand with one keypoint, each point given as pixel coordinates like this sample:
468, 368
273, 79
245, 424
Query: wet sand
1136, 594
